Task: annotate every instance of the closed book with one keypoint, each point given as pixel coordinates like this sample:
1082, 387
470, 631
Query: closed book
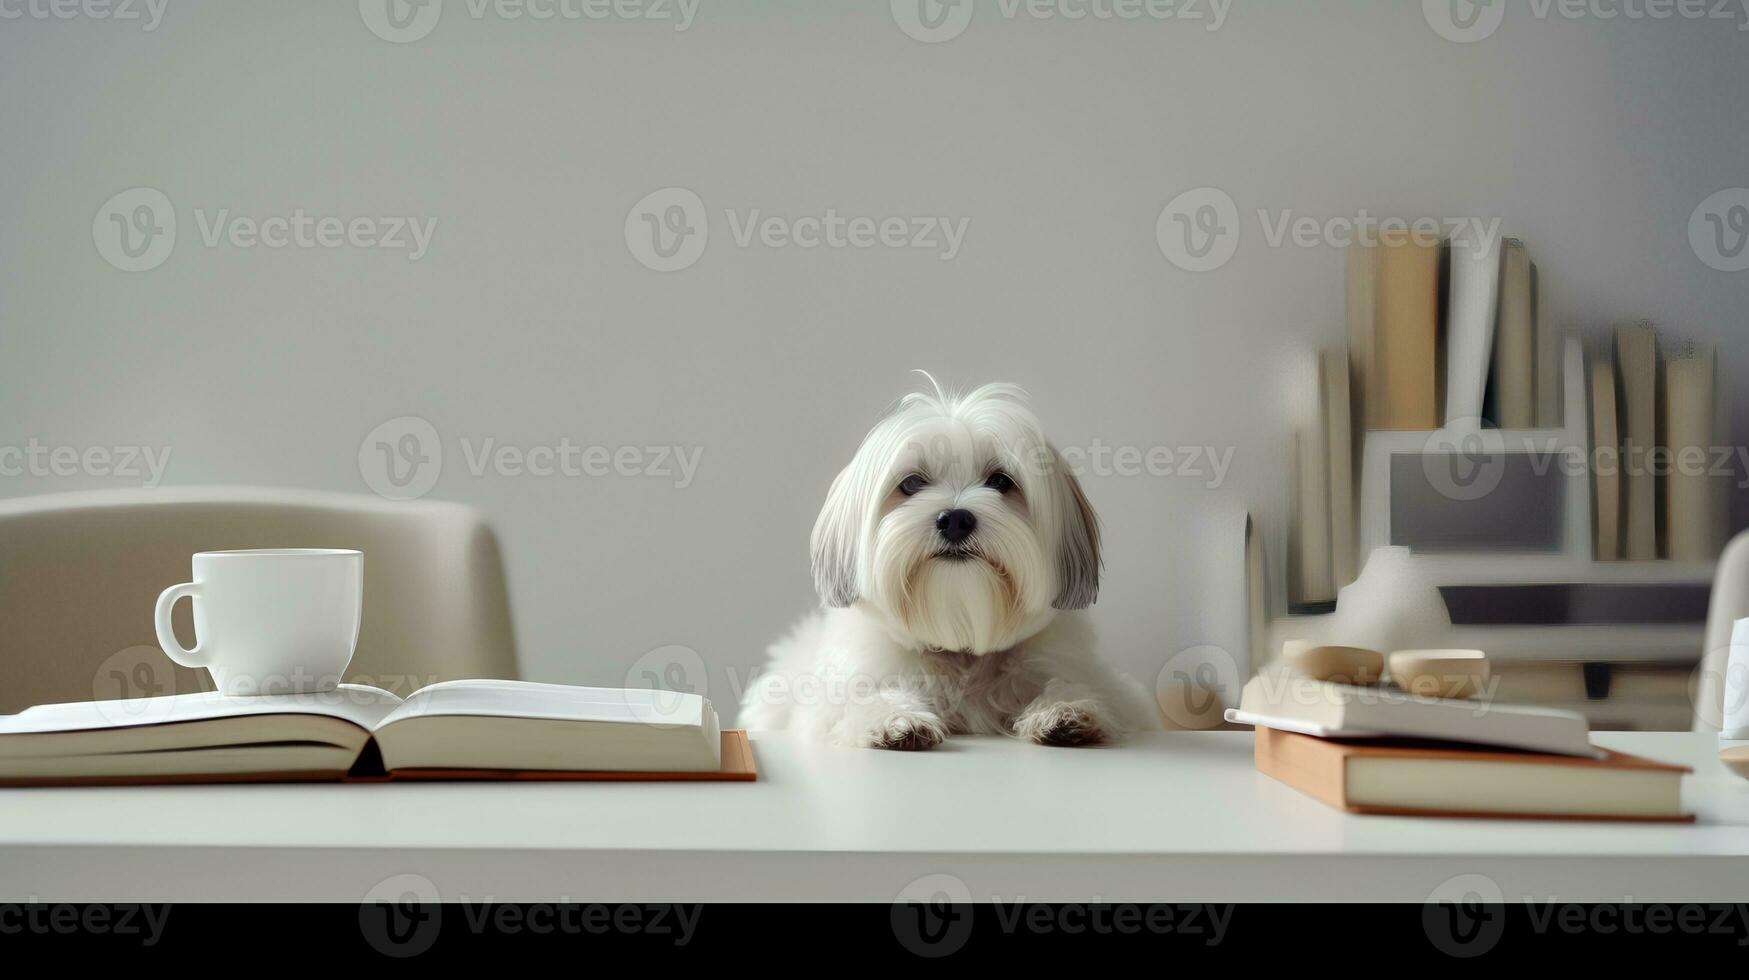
1310, 572
1605, 455
1362, 299
1429, 779
1334, 404
1471, 310
1636, 369
1514, 373
1688, 515
1549, 408
1406, 334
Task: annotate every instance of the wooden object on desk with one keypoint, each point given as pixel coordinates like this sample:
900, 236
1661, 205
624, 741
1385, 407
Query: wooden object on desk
1440, 673
1337, 664
1439, 780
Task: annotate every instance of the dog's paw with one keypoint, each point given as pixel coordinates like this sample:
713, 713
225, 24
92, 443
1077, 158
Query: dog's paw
1063, 723
906, 731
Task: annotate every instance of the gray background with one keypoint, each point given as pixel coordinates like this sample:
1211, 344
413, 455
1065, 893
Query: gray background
529, 320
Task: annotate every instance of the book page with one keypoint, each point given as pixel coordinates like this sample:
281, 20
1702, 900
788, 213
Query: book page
557, 702
363, 706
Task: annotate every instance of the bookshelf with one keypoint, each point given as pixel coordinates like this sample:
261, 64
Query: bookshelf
1669, 651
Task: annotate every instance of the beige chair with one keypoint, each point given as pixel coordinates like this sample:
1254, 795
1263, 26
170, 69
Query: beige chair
1730, 602
80, 572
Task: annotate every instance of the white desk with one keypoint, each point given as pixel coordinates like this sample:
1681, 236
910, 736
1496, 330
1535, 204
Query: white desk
1167, 817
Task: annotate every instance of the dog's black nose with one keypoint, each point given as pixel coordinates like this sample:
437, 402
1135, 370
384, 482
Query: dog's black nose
956, 525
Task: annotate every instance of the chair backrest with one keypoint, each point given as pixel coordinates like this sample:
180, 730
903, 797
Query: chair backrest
80, 572
1729, 603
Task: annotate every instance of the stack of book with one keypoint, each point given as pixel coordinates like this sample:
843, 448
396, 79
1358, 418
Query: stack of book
1384, 751
1462, 320
1440, 334
1655, 423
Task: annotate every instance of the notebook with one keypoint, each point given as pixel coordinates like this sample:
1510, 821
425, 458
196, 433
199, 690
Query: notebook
1425, 779
466, 729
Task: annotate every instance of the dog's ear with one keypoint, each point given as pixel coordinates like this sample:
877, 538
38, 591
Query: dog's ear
1078, 559
834, 543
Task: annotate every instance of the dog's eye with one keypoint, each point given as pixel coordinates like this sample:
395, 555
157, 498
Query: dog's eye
910, 485
1000, 482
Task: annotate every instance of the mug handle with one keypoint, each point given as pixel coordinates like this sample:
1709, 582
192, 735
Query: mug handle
167, 636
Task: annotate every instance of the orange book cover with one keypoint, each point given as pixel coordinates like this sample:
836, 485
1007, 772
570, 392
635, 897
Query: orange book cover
1318, 767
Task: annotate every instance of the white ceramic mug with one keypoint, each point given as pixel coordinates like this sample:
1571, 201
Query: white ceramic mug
270, 621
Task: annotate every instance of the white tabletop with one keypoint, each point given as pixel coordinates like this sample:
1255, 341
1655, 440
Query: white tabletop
1179, 816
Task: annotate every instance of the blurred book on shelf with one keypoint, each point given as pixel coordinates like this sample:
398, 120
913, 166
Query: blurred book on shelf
1604, 498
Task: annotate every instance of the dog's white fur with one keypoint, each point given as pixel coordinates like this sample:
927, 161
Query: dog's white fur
916, 643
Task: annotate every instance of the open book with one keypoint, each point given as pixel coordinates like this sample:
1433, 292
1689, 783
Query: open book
471, 729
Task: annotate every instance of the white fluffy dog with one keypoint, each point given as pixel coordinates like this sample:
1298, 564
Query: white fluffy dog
950, 555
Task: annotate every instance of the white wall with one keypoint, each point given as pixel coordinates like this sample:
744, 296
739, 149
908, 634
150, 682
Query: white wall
528, 320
